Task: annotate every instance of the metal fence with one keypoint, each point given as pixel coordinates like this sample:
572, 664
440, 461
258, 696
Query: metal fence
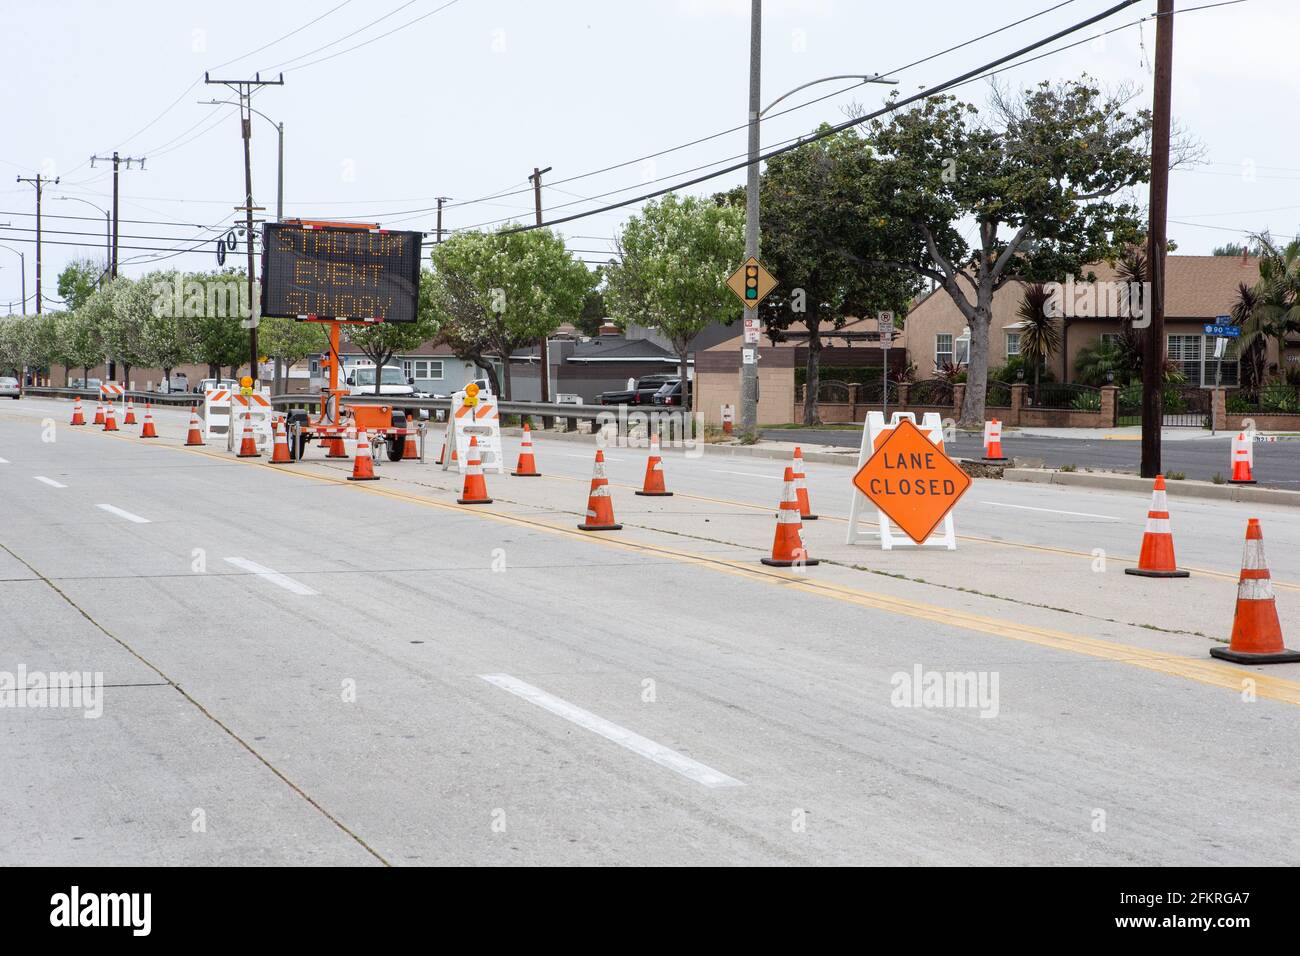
930, 391
1277, 398
1068, 396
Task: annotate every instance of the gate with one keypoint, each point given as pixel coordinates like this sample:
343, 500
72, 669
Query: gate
1187, 406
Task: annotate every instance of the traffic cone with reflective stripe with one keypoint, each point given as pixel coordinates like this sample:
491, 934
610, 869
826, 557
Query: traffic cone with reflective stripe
280, 447
77, 417
1156, 559
474, 491
195, 437
1256, 631
1241, 463
148, 430
130, 411
337, 447
653, 486
600, 507
800, 488
110, 418
247, 443
99, 413
442, 454
526, 467
993, 441
410, 448
787, 546
363, 463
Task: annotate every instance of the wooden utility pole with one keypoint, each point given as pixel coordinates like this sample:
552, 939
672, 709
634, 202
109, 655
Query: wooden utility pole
39, 182
1153, 355
117, 161
543, 343
441, 200
244, 90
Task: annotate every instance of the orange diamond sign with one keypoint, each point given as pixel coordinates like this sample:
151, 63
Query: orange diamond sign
751, 283
912, 480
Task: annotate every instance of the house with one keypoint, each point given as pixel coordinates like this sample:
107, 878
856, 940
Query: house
585, 367
1199, 289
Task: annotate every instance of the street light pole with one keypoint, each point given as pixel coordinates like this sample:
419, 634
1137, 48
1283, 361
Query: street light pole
279, 128
22, 265
108, 232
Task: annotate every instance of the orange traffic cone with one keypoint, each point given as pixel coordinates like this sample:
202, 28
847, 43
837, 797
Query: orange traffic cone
1241, 470
110, 418
526, 467
600, 507
247, 444
195, 437
99, 413
337, 447
653, 486
1256, 631
148, 430
1156, 559
442, 454
130, 412
410, 448
787, 546
363, 463
800, 488
280, 448
77, 417
474, 491
993, 441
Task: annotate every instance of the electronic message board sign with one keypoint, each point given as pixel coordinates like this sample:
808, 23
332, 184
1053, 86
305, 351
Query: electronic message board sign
339, 273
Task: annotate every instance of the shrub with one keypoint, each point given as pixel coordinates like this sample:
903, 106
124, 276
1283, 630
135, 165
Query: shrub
1068, 468
1087, 402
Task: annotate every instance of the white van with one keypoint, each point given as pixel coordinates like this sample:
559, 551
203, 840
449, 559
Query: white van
361, 381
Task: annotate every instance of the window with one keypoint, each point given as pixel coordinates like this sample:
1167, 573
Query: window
943, 354
428, 368
963, 348
407, 365
1013, 344
1196, 360
1111, 338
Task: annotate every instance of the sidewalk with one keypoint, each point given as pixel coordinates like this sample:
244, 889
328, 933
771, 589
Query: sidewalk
1123, 433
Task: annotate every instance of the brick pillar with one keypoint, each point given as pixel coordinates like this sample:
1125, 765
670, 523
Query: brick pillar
958, 399
1109, 406
853, 402
1219, 409
1018, 391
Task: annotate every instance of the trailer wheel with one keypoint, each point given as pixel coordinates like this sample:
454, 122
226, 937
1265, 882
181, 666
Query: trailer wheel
397, 442
298, 418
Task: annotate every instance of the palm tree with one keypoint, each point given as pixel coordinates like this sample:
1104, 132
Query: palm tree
1275, 312
1040, 336
1254, 353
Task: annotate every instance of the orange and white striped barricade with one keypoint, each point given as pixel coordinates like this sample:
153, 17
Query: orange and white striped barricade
216, 414
482, 421
874, 432
261, 417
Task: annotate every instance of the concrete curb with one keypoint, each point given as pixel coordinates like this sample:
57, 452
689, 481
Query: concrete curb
1248, 494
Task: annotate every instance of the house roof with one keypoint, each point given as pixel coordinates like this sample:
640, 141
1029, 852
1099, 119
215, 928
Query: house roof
607, 348
855, 327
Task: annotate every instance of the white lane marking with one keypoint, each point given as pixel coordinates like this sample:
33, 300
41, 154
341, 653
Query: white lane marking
591, 457
123, 514
1055, 511
49, 481
747, 474
664, 756
275, 577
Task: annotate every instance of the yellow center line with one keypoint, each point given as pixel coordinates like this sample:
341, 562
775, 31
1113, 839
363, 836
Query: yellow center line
1207, 672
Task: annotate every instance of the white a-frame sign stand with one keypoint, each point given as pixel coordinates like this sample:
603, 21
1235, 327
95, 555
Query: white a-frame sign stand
874, 432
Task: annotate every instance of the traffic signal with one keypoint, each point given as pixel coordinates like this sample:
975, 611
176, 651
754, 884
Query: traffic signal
751, 283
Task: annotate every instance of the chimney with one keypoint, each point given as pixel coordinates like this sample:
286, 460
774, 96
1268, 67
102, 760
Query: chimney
608, 328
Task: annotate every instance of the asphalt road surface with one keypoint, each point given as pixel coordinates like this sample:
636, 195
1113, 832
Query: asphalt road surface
1277, 464
299, 669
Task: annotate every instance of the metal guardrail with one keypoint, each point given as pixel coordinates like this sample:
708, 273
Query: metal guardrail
157, 398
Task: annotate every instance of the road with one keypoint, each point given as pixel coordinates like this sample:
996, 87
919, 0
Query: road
1277, 464
302, 670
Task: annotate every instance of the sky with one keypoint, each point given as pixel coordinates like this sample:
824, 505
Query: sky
464, 99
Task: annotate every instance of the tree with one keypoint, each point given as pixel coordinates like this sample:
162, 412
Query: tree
219, 337
1275, 307
288, 342
818, 223
510, 288
1041, 183
1040, 337
78, 280
675, 257
167, 333
80, 340
130, 306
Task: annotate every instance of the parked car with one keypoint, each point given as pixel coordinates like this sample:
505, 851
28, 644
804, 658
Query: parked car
9, 387
641, 393
671, 393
